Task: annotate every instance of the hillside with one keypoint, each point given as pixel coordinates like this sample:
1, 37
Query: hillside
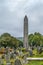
20, 38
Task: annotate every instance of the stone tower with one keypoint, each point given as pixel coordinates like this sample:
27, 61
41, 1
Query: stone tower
26, 32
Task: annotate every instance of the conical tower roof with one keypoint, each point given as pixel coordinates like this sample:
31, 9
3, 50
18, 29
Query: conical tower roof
25, 18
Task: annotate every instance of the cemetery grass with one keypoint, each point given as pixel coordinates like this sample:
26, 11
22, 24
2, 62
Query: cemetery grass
35, 54
35, 63
31, 63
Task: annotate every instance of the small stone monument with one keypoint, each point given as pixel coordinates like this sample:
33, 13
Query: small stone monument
17, 62
39, 49
30, 52
24, 60
14, 56
20, 53
7, 57
8, 64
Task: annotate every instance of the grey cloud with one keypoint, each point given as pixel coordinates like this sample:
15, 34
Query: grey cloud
12, 21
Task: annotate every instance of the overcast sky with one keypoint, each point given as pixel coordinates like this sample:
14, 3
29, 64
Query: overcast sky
12, 13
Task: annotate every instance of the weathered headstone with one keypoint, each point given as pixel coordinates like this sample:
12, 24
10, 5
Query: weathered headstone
39, 49
24, 61
20, 53
12, 55
30, 52
17, 62
7, 57
8, 64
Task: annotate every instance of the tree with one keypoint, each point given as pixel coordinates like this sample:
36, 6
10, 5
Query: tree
36, 39
7, 40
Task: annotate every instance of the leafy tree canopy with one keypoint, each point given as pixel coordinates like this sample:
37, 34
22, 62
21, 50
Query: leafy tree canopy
7, 40
35, 39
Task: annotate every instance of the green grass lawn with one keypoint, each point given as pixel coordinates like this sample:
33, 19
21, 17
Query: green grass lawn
35, 63
36, 54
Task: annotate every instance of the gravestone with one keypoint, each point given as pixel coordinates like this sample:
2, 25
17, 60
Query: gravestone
8, 64
25, 60
20, 53
14, 56
39, 49
17, 62
30, 52
7, 57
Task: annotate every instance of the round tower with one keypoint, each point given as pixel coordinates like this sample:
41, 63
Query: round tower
26, 32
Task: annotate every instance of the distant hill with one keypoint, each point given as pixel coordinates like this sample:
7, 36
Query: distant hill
20, 38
